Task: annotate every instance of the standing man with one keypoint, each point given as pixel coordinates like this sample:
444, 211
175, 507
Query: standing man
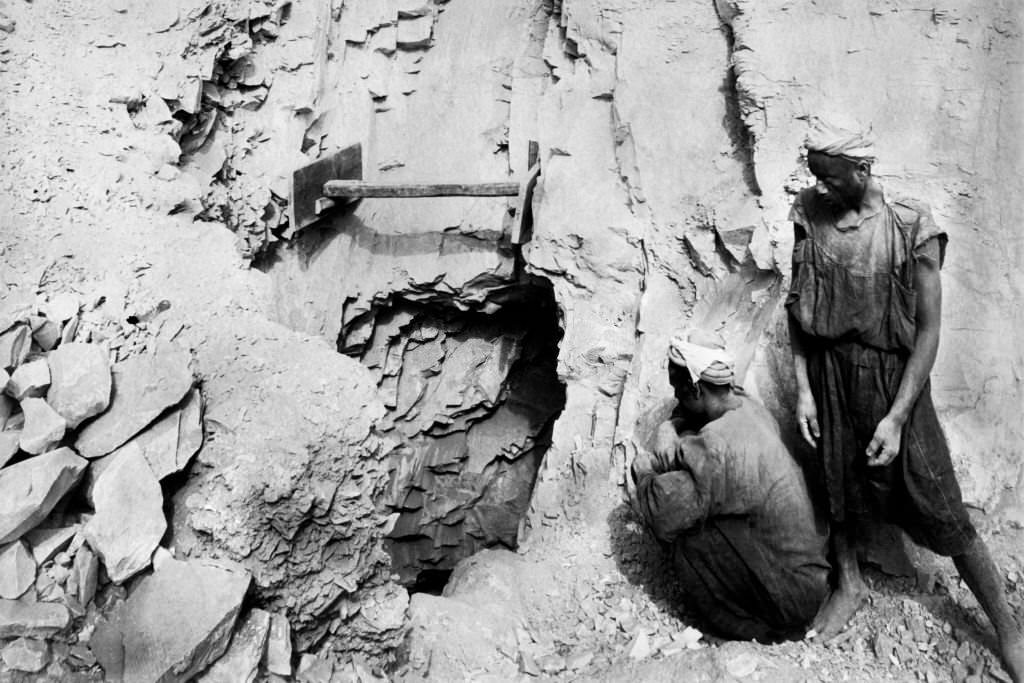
864, 311
727, 498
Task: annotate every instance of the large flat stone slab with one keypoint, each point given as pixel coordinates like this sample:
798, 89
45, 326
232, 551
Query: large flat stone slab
176, 621
129, 519
30, 489
34, 619
80, 381
143, 387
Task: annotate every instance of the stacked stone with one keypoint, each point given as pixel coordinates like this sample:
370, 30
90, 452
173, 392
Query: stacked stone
86, 591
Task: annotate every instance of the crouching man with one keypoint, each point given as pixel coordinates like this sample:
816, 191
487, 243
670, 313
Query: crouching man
722, 491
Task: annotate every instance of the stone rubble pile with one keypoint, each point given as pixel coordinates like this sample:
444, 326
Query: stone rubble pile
86, 590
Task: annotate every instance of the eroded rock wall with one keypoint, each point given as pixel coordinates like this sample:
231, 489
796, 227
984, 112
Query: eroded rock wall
669, 137
942, 85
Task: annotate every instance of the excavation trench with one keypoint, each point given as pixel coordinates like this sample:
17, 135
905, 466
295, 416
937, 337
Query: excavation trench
471, 399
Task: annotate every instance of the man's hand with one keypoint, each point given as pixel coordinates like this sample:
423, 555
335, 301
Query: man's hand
807, 417
643, 464
885, 444
665, 441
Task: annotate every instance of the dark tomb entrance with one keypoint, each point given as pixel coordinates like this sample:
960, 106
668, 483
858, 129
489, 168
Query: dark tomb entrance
471, 398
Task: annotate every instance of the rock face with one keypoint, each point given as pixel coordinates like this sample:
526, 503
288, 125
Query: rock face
176, 621
129, 519
144, 386
80, 382
30, 489
285, 517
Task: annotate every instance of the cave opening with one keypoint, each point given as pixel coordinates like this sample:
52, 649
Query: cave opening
472, 394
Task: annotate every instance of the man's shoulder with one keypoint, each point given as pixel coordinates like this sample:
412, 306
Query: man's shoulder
750, 420
908, 209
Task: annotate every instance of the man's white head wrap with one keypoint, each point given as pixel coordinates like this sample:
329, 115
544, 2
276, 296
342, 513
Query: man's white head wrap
841, 139
704, 356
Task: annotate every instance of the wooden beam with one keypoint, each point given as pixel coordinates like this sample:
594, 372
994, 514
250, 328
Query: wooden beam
357, 188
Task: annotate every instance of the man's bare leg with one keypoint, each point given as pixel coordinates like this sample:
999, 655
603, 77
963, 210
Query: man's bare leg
980, 572
849, 594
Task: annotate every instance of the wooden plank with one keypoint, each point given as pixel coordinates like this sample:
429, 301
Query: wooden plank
356, 188
522, 226
308, 181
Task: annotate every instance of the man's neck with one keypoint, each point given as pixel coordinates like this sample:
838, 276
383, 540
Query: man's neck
869, 205
717, 406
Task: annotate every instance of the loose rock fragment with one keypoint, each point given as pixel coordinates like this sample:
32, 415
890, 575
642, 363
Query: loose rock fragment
7, 404
551, 664
15, 344
30, 489
29, 380
171, 441
17, 570
86, 570
278, 659
313, 669
44, 427
241, 662
39, 619
129, 519
46, 335
640, 648
579, 660
527, 665
176, 621
415, 32
144, 386
48, 541
63, 306
80, 382
26, 654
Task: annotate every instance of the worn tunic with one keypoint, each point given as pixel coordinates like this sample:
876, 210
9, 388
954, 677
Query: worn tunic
733, 505
853, 296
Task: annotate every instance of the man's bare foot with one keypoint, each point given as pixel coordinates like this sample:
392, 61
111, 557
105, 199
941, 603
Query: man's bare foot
1013, 656
833, 616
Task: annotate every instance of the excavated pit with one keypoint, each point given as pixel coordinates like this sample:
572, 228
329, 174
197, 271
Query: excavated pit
471, 399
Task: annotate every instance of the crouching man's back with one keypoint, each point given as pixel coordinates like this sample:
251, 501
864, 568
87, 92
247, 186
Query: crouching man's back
723, 492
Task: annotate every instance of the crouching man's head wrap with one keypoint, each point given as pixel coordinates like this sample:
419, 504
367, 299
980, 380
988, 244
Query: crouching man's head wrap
841, 139
703, 354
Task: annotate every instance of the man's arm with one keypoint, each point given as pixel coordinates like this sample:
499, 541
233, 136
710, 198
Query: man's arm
885, 443
806, 411
669, 502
